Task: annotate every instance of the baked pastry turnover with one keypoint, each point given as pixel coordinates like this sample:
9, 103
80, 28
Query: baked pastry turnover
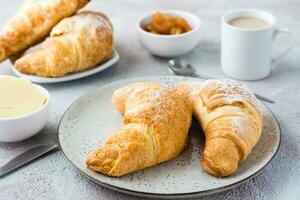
33, 22
154, 130
230, 118
75, 44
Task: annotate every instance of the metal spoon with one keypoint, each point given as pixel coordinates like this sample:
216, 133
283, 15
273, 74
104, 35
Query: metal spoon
180, 67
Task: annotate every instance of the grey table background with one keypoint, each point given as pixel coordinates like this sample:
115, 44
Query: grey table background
53, 177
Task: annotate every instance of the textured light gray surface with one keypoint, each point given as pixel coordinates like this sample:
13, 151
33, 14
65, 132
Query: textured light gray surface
53, 177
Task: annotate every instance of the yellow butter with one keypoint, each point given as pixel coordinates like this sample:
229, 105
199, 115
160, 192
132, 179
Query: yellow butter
19, 97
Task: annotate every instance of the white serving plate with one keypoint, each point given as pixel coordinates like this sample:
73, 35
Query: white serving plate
92, 118
69, 77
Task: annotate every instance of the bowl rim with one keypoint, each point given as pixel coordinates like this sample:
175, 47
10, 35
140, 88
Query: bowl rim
27, 115
175, 12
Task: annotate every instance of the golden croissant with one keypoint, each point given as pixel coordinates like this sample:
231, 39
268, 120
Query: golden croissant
75, 44
154, 130
33, 22
230, 118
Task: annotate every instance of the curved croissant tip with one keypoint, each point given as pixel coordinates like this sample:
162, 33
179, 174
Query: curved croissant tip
219, 171
219, 167
20, 65
103, 160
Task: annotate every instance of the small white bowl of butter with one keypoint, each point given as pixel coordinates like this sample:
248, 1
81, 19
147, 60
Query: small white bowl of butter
23, 108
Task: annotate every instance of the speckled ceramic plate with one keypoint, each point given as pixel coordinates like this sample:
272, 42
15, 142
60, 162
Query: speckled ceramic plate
69, 77
92, 118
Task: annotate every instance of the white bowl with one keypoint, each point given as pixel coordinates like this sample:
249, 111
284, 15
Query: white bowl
19, 128
170, 45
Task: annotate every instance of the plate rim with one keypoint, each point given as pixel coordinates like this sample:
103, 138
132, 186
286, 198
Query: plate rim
162, 195
69, 77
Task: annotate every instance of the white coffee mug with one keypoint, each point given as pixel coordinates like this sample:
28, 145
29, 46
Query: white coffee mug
246, 54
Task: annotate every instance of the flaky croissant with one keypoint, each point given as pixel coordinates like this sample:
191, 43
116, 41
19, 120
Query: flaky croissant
230, 118
75, 44
154, 130
33, 22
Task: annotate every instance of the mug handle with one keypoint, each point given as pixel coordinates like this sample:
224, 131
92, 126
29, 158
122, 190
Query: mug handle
282, 54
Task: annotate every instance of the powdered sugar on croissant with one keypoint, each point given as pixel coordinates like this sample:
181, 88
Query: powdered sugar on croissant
75, 44
154, 130
230, 118
33, 22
